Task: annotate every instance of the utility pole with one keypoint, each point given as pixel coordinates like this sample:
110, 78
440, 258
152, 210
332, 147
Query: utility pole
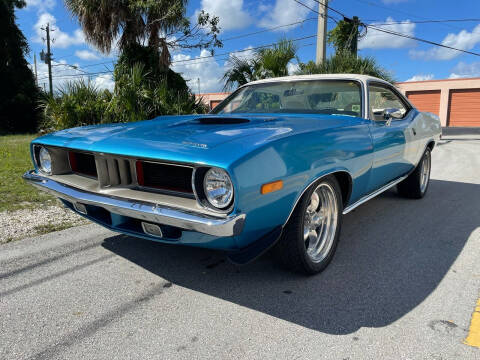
198, 81
35, 67
48, 58
354, 42
322, 31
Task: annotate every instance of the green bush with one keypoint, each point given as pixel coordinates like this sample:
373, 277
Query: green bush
77, 103
138, 95
141, 95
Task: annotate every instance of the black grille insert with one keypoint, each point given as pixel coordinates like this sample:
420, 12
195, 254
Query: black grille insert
83, 164
164, 177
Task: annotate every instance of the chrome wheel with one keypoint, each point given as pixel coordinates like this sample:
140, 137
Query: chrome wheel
425, 172
320, 222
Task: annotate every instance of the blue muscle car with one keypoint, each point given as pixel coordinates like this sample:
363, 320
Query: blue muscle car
276, 164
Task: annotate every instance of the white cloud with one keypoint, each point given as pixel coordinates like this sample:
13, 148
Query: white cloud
63, 73
464, 70
286, 12
377, 39
421, 77
104, 82
230, 12
59, 38
208, 70
86, 55
40, 5
247, 53
464, 40
292, 68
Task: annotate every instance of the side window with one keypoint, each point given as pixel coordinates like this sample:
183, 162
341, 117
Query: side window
381, 98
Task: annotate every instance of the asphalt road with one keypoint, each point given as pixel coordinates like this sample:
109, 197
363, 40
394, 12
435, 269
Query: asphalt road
403, 285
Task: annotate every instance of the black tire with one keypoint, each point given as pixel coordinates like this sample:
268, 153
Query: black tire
413, 187
291, 249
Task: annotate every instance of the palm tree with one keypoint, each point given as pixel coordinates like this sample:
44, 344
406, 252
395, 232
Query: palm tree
240, 72
140, 22
273, 62
347, 63
265, 63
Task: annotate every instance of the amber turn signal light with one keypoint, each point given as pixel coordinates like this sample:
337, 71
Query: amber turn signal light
271, 187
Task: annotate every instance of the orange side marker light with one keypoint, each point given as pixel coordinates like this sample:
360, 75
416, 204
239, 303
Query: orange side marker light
271, 187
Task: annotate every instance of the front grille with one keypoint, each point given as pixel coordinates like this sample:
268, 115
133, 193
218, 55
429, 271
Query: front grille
164, 177
114, 171
82, 163
111, 171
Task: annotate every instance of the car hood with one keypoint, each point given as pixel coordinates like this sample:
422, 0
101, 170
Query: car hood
192, 138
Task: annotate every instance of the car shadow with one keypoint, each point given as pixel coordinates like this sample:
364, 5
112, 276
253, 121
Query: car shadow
393, 253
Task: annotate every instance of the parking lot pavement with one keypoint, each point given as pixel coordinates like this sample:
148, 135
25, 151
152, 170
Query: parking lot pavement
403, 285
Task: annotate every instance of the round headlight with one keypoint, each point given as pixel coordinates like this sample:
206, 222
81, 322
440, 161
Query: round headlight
218, 188
45, 161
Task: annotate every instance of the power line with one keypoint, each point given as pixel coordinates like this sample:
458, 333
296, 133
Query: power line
378, 22
419, 39
398, 11
207, 60
77, 68
330, 8
404, 35
226, 39
102, 63
268, 29
315, 11
79, 75
239, 51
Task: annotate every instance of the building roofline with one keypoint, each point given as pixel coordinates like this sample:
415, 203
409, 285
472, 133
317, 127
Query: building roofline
433, 80
214, 93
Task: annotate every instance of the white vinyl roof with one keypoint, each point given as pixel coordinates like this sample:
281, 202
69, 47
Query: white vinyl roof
363, 78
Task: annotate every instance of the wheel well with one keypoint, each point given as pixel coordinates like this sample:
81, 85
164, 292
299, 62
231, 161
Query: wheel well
345, 182
431, 145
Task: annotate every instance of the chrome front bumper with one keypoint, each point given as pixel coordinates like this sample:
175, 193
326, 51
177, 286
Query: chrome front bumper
150, 212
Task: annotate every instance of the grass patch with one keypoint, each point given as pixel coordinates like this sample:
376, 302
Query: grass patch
50, 227
14, 162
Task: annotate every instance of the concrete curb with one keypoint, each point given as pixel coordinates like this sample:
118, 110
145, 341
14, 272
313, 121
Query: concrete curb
460, 130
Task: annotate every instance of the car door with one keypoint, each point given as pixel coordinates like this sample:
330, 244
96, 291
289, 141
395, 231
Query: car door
392, 138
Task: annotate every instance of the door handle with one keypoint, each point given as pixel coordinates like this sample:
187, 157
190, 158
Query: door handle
414, 132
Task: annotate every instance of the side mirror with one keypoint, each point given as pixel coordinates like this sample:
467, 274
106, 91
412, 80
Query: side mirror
392, 114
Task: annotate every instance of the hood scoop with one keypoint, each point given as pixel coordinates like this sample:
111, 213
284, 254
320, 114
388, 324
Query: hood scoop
221, 120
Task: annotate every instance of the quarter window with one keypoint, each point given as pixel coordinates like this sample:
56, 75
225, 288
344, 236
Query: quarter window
382, 98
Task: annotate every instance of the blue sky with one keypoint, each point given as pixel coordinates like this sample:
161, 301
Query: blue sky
407, 59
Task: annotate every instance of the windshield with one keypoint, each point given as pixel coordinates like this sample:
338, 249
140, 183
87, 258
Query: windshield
336, 97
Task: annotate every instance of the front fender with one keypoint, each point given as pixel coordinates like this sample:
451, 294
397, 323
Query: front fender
298, 160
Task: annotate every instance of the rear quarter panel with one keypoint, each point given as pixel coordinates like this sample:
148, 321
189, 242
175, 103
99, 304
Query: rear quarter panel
428, 128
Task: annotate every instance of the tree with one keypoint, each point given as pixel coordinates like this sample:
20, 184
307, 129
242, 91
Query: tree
347, 63
240, 72
265, 63
273, 62
344, 36
156, 24
18, 92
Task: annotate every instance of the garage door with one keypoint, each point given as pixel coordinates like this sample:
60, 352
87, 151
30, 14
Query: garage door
214, 103
428, 101
464, 108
